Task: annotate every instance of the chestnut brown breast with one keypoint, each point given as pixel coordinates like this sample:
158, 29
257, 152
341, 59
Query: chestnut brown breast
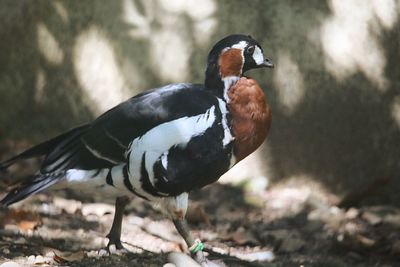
250, 116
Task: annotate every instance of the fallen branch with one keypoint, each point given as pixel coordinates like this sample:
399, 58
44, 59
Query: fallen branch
354, 198
229, 258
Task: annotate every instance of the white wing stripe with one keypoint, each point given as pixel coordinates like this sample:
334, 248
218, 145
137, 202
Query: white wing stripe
161, 138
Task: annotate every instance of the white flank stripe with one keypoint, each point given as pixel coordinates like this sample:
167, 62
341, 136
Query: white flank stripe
258, 56
160, 139
227, 133
86, 182
97, 154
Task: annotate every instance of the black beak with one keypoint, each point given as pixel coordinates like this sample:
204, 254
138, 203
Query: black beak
267, 63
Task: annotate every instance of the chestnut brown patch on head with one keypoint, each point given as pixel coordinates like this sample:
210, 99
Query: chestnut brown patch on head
231, 62
251, 116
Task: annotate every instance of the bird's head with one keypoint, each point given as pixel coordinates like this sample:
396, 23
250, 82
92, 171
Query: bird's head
231, 57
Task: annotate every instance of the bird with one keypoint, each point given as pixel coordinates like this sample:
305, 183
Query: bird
163, 143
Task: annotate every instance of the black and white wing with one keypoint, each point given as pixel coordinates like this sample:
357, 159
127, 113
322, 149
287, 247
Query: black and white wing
172, 140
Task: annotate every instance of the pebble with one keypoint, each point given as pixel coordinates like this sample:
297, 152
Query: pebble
103, 253
31, 259
6, 251
39, 260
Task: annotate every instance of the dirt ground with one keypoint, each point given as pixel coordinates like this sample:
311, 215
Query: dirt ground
287, 225
293, 223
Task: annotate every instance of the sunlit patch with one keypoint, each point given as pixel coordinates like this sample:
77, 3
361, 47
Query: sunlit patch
294, 194
97, 70
163, 23
386, 11
396, 110
350, 44
40, 85
170, 55
48, 45
256, 166
289, 83
61, 11
139, 22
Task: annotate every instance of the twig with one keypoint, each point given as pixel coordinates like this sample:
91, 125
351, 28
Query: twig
230, 258
355, 197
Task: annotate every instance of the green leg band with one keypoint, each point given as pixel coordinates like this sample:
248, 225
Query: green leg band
197, 246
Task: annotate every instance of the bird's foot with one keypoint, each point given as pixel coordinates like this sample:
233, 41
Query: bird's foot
115, 246
204, 262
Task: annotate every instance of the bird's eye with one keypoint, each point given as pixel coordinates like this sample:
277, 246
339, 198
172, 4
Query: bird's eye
250, 49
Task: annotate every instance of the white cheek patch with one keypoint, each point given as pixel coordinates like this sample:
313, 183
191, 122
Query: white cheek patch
258, 56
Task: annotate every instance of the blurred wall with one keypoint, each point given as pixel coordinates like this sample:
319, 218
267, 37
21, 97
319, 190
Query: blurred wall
334, 92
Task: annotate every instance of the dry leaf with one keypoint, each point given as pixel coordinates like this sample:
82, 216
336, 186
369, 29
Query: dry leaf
65, 257
24, 220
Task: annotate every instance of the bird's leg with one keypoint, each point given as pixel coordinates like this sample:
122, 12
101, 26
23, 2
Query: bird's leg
177, 208
183, 229
114, 236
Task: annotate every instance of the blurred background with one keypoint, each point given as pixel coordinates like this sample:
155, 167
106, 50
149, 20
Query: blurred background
334, 142
334, 91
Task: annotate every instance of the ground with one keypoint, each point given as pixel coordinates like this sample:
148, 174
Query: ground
288, 225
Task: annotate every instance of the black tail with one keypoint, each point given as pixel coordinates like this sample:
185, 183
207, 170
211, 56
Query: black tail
36, 184
43, 148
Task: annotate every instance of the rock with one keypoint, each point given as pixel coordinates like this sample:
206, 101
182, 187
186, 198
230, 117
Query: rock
169, 265
10, 264
182, 260
39, 260
68, 205
31, 259
98, 209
